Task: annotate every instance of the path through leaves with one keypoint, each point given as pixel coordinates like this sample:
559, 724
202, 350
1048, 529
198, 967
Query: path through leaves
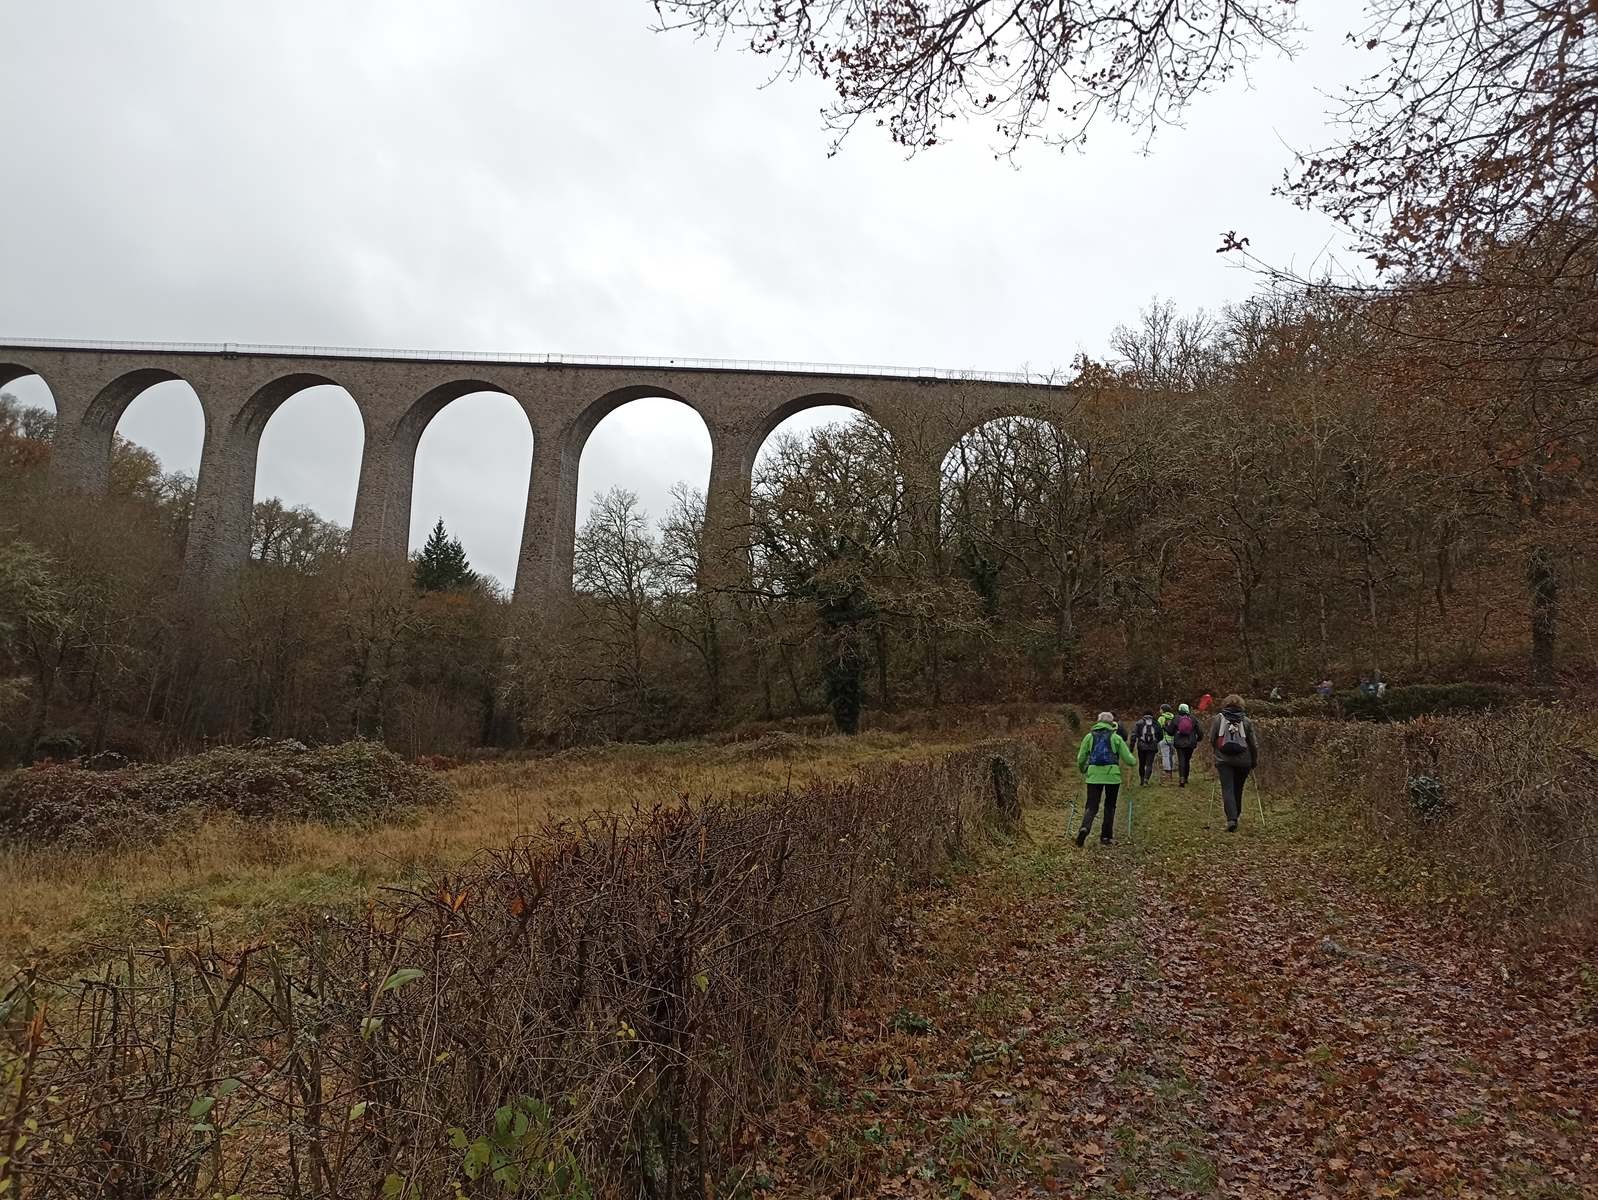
1196, 1014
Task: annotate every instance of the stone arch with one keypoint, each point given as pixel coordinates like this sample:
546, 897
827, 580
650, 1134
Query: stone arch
35, 390
798, 405
101, 421
32, 395
251, 420
262, 421
970, 419
602, 406
415, 419
501, 460
10, 372
227, 486
995, 474
683, 434
589, 420
736, 482
113, 400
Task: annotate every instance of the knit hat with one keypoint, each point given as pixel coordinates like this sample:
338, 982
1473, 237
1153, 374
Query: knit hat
1107, 716
1181, 708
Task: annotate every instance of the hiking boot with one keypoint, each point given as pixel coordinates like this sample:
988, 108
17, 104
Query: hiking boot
1081, 837
1231, 827
1106, 841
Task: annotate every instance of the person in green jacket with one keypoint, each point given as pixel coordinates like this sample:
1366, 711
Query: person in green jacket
1167, 723
1099, 758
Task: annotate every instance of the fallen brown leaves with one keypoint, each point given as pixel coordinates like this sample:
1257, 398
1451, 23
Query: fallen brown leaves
1195, 1015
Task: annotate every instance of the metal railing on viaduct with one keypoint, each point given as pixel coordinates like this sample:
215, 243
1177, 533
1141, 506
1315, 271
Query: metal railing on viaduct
564, 397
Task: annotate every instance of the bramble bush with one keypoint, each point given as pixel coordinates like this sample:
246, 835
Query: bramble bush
80, 808
1505, 802
601, 1009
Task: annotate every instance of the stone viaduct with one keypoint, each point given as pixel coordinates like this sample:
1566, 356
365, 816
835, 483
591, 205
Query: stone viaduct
398, 393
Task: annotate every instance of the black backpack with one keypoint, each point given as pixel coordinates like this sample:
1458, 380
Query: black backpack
1146, 733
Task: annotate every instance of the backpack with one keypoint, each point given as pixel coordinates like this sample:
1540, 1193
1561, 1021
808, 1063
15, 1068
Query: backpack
1186, 730
1231, 737
1145, 732
1102, 753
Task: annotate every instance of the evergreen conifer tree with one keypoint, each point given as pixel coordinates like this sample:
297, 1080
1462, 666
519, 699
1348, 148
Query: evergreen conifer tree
441, 564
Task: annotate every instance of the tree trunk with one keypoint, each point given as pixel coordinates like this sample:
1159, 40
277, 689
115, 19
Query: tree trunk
1542, 579
1325, 644
712, 657
884, 697
1245, 632
46, 677
768, 711
934, 661
1065, 633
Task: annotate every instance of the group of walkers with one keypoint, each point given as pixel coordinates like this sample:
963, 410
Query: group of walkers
1172, 736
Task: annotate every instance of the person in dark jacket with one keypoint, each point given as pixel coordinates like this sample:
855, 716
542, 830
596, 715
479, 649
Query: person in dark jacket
1099, 758
1237, 752
1187, 731
1146, 736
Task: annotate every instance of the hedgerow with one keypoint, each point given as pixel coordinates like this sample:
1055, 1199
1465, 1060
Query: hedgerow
1395, 704
597, 1010
92, 809
1505, 804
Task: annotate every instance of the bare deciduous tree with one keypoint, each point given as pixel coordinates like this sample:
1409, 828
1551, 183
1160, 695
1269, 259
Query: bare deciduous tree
1024, 67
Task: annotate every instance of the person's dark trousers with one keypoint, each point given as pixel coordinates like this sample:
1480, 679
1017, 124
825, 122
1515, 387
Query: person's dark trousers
1145, 763
1232, 781
1110, 792
1184, 761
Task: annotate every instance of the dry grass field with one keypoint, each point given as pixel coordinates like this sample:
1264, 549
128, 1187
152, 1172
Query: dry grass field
244, 880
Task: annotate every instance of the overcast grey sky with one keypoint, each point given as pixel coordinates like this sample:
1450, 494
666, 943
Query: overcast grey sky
542, 175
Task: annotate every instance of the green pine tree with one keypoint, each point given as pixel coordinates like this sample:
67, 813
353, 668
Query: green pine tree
441, 565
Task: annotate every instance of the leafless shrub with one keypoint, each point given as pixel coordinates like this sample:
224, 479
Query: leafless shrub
599, 1009
1507, 801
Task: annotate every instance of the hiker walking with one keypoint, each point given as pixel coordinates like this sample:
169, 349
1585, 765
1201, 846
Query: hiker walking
1099, 758
1206, 702
1237, 752
1166, 721
1146, 736
1186, 734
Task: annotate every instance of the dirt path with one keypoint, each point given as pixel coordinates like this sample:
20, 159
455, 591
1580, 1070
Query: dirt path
1192, 1014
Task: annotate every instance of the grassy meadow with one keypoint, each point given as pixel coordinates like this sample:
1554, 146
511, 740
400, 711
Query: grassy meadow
243, 880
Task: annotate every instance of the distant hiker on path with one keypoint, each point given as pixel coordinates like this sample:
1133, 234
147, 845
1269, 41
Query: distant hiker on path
1099, 758
1167, 719
1146, 735
1206, 702
1237, 752
1186, 734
